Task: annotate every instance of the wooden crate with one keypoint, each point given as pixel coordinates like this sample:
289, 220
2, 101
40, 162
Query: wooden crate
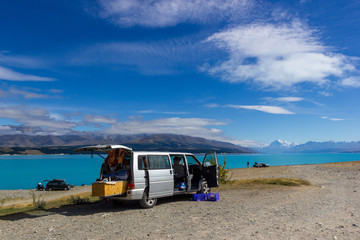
103, 189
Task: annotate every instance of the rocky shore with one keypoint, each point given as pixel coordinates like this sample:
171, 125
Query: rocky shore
327, 209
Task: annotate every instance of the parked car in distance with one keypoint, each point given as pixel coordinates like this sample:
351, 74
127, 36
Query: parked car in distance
260, 165
57, 184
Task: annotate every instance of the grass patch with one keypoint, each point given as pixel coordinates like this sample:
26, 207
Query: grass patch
78, 200
15, 209
263, 182
63, 201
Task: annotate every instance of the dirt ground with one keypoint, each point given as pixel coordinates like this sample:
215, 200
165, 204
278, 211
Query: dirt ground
327, 209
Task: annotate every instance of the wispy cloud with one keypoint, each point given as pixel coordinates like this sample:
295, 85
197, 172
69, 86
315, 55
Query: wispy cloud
5, 130
212, 105
14, 92
351, 82
289, 99
150, 58
39, 121
10, 75
37, 117
333, 119
99, 119
162, 112
28, 93
262, 108
277, 56
12, 60
199, 127
162, 13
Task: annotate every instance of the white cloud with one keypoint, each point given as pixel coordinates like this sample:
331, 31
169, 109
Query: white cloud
38, 121
162, 13
324, 93
14, 92
333, 119
9, 59
37, 117
99, 119
7, 130
162, 112
351, 82
10, 75
289, 99
263, 108
212, 105
276, 56
27, 93
199, 127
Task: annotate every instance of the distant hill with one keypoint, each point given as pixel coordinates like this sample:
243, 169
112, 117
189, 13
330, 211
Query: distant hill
171, 142
48, 144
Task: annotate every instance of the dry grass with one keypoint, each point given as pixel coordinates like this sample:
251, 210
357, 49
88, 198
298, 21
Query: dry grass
49, 204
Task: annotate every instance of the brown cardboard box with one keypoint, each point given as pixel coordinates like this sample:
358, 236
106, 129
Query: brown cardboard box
102, 189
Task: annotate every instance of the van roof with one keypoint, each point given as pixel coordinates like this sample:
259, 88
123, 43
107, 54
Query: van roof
158, 152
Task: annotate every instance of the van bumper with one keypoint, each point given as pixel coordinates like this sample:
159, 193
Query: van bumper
134, 194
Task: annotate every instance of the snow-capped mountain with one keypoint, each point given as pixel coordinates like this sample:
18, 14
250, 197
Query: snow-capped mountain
277, 146
280, 146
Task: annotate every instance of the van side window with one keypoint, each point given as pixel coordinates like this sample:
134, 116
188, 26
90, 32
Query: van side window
142, 163
158, 162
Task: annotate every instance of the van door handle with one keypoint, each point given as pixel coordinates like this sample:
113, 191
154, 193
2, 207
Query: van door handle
170, 172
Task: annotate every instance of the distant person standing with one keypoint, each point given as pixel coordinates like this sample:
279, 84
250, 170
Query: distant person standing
248, 164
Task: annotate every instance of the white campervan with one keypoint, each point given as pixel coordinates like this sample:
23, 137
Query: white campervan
145, 176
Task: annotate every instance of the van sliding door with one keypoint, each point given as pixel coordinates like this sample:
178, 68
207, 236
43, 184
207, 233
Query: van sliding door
160, 173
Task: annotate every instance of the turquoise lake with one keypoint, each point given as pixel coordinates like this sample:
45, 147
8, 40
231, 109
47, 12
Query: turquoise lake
24, 172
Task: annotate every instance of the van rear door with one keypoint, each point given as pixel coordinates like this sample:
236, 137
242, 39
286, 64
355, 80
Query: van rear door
210, 169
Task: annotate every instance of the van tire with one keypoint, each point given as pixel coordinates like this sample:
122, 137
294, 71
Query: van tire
204, 187
147, 202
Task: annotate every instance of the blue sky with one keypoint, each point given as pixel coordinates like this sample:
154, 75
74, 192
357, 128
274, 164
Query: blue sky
248, 72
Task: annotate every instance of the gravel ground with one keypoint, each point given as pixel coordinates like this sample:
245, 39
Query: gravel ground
329, 209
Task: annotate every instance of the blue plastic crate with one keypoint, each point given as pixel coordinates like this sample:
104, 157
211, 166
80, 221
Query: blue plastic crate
199, 197
212, 197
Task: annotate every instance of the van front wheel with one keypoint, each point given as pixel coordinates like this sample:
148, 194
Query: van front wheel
147, 202
204, 188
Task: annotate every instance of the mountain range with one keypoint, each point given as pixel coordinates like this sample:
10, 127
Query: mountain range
29, 140
280, 146
49, 144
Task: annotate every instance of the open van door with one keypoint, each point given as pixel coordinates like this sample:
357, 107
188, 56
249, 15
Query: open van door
98, 149
102, 148
210, 169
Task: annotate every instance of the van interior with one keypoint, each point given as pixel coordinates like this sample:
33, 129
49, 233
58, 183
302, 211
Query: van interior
181, 175
116, 166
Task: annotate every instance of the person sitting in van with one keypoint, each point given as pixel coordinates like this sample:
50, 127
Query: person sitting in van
179, 169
